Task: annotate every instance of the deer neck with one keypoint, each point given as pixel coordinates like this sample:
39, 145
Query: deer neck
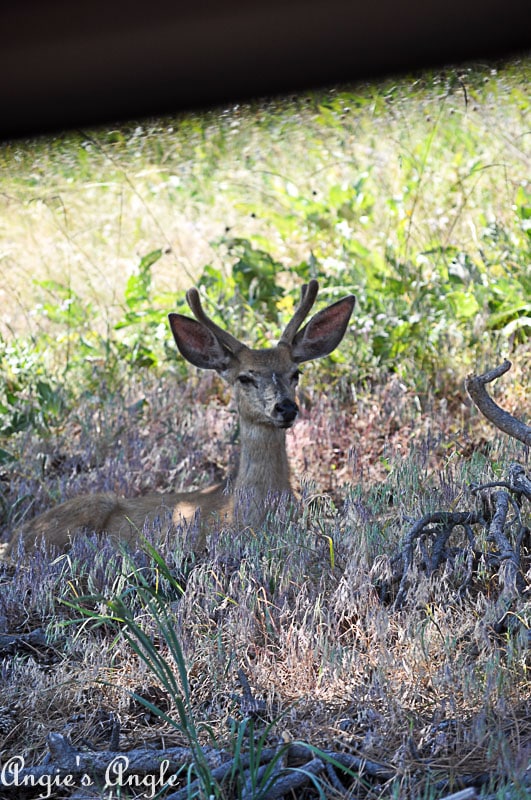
264, 467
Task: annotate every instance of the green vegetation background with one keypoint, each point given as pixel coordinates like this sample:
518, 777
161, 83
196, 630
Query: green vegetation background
413, 194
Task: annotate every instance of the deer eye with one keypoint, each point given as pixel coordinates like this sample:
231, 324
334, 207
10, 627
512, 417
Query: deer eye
246, 380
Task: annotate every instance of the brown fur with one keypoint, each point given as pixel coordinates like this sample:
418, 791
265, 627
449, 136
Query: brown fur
264, 383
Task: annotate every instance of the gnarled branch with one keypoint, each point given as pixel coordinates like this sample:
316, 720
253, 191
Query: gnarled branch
475, 386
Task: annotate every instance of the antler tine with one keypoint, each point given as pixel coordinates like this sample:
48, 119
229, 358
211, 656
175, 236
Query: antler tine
308, 295
194, 301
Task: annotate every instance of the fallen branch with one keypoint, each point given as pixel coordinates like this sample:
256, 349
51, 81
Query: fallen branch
283, 769
219, 774
475, 386
510, 576
518, 481
291, 779
280, 771
253, 781
66, 762
430, 535
13, 642
443, 523
301, 752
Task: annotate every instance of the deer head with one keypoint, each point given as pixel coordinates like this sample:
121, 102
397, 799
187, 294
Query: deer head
264, 381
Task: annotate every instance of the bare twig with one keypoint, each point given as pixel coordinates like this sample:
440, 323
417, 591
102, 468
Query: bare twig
431, 535
60, 748
217, 775
307, 760
475, 386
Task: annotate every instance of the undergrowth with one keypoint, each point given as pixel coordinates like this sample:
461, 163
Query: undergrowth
429, 690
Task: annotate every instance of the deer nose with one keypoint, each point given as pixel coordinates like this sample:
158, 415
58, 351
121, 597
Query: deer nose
288, 409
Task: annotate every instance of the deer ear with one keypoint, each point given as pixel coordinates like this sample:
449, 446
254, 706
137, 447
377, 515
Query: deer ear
199, 345
323, 332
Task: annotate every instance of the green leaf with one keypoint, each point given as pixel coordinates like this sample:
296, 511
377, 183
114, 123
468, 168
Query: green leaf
147, 261
137, 289
463, 304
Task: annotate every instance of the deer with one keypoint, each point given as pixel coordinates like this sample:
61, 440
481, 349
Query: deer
264, 383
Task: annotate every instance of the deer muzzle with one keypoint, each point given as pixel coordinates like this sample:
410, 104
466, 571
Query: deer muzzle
287, 410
